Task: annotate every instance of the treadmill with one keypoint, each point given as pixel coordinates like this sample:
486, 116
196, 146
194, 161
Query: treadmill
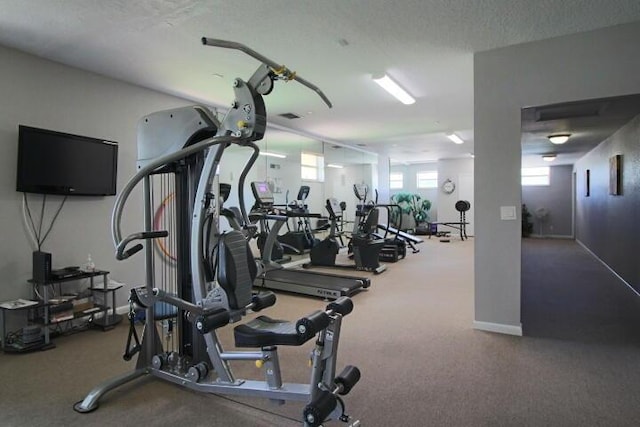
276, 277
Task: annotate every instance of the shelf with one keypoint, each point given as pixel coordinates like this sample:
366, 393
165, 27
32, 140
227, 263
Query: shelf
108, 288
23, 348
50, 315
77, 315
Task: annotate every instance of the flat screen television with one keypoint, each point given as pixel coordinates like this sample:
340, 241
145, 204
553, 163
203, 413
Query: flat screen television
52, 162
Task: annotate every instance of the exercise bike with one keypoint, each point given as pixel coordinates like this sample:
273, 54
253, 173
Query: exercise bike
301, 238
213, 277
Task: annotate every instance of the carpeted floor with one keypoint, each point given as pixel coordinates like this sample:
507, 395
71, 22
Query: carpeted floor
411, 336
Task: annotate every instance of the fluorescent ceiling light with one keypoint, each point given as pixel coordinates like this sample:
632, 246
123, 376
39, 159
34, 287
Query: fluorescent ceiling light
394, 89
455, 138
333, 165
268, 154
560, 138
549, 157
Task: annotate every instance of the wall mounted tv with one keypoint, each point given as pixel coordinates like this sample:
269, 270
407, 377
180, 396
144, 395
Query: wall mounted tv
52, 162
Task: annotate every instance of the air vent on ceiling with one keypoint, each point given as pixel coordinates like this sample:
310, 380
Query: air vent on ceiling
289, 116
569, 111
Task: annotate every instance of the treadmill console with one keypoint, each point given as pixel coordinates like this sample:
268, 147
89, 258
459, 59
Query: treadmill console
333, 207
262, 194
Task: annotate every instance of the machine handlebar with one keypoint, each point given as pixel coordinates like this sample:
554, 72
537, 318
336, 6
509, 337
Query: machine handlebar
122, 254
279, 70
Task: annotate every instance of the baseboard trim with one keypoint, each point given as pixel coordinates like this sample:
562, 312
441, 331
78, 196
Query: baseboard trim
628, 285
500, 328
551, 236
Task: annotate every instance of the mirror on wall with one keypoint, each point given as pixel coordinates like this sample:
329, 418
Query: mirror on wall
345, 167
289, 160
284, 158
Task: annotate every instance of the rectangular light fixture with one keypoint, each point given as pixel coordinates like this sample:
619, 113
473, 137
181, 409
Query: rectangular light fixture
268, 154
455, 138
394, 89
333, 165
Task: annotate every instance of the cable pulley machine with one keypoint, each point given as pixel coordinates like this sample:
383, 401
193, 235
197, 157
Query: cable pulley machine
208, 283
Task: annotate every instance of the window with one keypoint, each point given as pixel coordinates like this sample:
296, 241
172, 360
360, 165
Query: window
312, 167
535, 176
427, 179
396, 180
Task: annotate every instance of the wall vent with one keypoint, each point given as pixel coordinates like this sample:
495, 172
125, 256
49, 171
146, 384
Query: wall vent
569, 111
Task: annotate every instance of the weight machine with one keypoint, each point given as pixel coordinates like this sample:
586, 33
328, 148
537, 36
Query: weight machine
211, 280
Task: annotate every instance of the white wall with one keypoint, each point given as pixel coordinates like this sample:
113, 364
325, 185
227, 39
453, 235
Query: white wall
45, 94
460, 172
589, 65
410, 184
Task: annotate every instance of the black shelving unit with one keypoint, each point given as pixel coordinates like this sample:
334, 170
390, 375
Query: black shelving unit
14, 344
106, 321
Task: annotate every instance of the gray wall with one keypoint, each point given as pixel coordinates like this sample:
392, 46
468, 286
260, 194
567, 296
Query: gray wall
556, 199
45, 94
589, 65
608, 225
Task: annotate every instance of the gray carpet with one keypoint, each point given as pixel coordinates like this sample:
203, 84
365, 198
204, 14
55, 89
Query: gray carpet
568, 295
411, 336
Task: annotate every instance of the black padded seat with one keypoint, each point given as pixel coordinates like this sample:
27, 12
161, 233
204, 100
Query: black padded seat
264, 331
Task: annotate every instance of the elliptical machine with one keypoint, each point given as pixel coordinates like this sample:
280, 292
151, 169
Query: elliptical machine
366, 250
394, 248
215, 271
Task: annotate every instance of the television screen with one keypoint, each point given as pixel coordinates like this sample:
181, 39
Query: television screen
59, 163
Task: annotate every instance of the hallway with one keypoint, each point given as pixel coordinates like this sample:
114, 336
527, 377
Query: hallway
568, 294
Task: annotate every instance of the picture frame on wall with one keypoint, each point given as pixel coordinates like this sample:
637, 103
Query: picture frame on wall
587, 183
615, 175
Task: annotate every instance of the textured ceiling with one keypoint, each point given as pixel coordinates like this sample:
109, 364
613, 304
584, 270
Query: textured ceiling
588, 122
426, 45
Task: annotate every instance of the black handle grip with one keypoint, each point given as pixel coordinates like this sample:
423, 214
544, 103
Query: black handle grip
154, 234
263, 300
342, 305
126, 254
312, 324
319, 409
122, 254
212, 321
348, 378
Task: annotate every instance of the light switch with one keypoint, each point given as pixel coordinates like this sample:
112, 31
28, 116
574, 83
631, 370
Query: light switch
508, 213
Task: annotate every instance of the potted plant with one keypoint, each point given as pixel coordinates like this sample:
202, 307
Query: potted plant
527, 225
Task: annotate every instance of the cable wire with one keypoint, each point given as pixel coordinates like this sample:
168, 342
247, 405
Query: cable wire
37, 234
53, 220
33, 225
25, 219
44, 202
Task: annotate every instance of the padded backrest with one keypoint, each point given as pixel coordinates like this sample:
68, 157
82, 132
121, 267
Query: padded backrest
236, 268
